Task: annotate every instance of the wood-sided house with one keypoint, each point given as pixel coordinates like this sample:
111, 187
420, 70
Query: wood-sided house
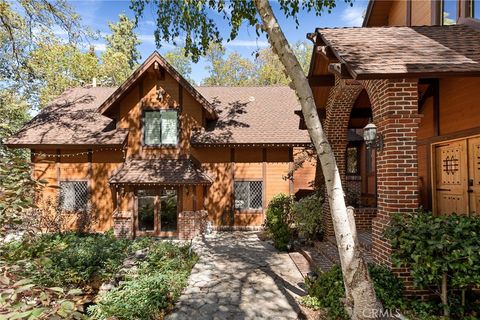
157, 156
413, 72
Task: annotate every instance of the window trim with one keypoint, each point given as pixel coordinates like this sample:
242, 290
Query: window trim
249, 210
89, 196
161, 145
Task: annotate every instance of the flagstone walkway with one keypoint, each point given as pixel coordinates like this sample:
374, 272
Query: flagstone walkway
240, 277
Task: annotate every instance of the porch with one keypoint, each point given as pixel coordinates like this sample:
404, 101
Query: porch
160, 198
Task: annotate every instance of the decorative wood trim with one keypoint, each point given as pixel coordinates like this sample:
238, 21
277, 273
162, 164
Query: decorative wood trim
408, 16
341, 69
436, 12
327, 52
451, 136
324, 80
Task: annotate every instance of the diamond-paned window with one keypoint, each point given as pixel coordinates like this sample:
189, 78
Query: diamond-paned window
74, 196
248, 195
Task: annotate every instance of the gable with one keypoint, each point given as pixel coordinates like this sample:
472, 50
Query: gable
155, 65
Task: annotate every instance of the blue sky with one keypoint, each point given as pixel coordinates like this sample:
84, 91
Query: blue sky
97, 14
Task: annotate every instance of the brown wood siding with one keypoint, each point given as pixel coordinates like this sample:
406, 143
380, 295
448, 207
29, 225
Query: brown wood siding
397, 14
459, 104
304, 176
421, 13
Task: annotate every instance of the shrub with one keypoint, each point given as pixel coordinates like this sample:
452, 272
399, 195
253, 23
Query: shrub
159, 282
307, 215
68, 259
279, 218
328, 291
440, 251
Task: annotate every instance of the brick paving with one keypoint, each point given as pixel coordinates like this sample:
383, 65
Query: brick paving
240, 277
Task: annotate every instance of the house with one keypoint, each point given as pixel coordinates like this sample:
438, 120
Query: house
408, 81
157, 156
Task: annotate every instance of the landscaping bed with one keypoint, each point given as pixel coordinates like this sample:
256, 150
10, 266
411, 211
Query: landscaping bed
91, 276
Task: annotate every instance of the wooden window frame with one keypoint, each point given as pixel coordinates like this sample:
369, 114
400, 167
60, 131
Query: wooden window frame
249, 211
160, 145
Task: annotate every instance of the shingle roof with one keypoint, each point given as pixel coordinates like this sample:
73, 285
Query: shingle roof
71, 119
161, 171
396, 51
252, 115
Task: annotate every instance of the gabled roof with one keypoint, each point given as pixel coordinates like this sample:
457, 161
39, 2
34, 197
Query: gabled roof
252, 116
72, 120
155, 57
161, 172
390, 52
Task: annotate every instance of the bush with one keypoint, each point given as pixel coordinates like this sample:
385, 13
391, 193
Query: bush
279, 218
159, 282
307, 215
440, 251
68, 259
328, 291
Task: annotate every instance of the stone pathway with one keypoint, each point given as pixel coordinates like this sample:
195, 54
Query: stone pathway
240, 277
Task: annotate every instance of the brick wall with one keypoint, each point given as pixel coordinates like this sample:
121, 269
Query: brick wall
122, 225
191, 224
395, 113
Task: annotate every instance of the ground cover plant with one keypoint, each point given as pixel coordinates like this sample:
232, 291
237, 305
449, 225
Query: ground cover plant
62, 274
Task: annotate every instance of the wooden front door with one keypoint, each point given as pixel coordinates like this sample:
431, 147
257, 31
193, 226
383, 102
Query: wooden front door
457, 177
156, 212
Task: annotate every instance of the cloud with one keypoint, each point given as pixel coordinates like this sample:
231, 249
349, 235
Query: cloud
353, 16
246, 43
99, 46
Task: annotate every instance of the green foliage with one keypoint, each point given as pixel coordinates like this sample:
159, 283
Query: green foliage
307, 215
327, 291
434, 246
68, 259
388, 288
159, 282
193, 21
180, 62
124, 40
23, 299
278, 220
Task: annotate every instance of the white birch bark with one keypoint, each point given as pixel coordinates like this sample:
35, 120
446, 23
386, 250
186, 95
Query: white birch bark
360, 293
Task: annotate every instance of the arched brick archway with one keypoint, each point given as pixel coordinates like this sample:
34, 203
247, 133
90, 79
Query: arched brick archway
394, 105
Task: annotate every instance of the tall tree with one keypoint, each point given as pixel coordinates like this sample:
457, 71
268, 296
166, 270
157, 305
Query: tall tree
121, 55
270, 70
192, 20
124, 39
233, 70
180, 61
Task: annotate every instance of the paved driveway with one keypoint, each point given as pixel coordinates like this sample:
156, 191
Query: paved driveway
240, 277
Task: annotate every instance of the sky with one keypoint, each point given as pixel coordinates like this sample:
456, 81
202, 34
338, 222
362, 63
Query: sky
97, 14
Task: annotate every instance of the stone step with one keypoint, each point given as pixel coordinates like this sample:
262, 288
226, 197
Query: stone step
303, 265
316, 258
329, 250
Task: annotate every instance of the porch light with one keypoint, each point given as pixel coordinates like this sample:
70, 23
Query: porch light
372, 138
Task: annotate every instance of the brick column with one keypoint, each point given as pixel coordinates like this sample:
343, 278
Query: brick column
395, 113
191, 224
339, 106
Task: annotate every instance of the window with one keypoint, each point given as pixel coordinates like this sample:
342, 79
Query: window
248, 195
160, 127
476, 9
352, 161
74, 196
449, 12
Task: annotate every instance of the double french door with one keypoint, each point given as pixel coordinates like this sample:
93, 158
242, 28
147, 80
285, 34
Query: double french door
457, 177
156, 212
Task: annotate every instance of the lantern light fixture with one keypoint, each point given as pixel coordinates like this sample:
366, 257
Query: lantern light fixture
372, 138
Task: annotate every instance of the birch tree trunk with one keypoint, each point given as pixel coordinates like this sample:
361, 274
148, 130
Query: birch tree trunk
360, 293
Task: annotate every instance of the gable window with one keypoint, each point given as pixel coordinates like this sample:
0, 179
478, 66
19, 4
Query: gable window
449, 10
74, 196
248, 195
476, 9
160, 127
